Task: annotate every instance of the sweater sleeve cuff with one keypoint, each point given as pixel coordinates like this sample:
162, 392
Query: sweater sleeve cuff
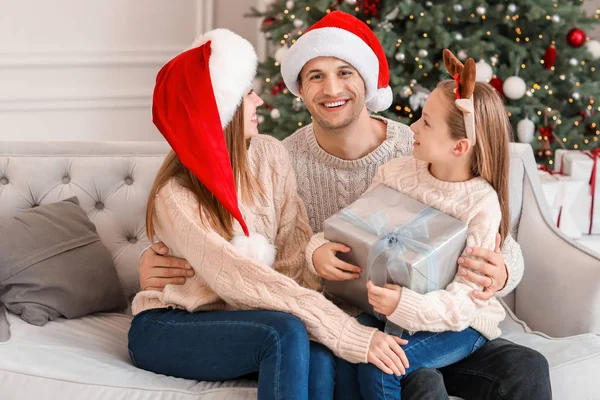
315, 242
355, 340
514, 265
406, 311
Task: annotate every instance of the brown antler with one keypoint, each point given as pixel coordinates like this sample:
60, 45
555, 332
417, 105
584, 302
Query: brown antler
466, 72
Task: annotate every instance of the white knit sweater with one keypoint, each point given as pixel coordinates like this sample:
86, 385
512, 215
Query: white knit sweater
327, 183
225, 279
474, 202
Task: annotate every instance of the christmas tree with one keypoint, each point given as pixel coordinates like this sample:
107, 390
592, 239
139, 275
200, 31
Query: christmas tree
535, 53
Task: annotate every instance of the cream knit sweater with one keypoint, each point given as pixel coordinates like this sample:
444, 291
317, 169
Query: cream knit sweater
474, 202
226, 280
327, 184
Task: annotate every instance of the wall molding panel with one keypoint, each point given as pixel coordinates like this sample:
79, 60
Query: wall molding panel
113, 58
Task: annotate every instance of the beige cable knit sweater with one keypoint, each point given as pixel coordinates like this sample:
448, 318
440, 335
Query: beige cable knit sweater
474, 202
226, 280
327, 184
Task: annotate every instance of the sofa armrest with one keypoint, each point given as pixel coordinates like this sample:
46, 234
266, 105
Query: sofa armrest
560, 291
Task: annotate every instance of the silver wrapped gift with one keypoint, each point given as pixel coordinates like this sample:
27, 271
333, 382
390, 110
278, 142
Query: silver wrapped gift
394, 239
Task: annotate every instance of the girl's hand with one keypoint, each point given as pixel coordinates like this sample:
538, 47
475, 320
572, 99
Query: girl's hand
329, 267
387, 355
384, 299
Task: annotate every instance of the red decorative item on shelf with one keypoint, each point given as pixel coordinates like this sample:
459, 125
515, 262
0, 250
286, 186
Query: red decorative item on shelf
497, 84
576, 37
549, 57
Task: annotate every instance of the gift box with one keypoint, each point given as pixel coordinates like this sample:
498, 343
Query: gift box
561, 192
574, 163
583, 166
394, 239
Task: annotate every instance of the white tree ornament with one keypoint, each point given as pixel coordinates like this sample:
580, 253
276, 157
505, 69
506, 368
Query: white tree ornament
514, 88
483, 72
593, 47
525, 130
280, 53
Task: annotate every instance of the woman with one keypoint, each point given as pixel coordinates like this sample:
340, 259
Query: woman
238, 314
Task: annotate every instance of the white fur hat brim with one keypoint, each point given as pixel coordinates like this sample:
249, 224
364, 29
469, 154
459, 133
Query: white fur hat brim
232, 65
338, 43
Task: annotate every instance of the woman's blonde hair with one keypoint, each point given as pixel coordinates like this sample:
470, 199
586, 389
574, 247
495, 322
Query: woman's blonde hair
493, 132
212, 212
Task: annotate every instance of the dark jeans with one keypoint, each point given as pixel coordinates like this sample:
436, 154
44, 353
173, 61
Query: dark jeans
219, 346
424, 350
498, 370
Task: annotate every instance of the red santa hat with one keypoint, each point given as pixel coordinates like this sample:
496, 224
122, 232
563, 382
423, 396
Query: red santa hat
343, 36
196, 95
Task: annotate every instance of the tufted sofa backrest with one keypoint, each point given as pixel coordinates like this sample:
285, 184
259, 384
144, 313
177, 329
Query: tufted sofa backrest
112, 181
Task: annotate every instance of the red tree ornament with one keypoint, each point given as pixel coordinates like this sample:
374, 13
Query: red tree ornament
370, 7
550, 57
497, 84
576, 37
267, 22
547, 133
277, 88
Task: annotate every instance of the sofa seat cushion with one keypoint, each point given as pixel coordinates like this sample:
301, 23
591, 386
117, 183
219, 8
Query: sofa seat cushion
87, 358
574, 361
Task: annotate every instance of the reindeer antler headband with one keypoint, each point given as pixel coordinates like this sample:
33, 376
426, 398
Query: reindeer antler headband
464, 75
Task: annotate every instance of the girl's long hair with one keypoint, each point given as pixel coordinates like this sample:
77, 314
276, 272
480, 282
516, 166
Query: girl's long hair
493, 132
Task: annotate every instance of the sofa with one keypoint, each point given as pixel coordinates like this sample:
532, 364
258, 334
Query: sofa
555, 309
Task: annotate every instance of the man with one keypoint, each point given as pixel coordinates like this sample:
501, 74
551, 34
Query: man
339, 69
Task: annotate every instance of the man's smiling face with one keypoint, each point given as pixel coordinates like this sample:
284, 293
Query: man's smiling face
333, 90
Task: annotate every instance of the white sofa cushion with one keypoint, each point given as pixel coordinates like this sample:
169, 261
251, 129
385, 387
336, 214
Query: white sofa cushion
573, 360
87, 358
111, 181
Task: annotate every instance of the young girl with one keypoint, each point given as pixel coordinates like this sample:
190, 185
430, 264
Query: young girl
246, 309
459, 166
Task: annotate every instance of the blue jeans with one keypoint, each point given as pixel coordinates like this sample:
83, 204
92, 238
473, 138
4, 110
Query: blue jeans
220, 346
424, 350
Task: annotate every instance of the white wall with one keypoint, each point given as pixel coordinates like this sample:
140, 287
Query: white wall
230, 14
591, 6
84, 70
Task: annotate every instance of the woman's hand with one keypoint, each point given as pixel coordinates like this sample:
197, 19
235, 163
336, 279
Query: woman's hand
329, 267
387, 355
492, 270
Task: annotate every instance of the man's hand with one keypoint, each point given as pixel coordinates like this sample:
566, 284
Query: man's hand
384, 299
157, 270
492, 270
330, 267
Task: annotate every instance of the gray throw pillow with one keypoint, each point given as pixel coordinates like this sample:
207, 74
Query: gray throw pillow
4, 330
53, 263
